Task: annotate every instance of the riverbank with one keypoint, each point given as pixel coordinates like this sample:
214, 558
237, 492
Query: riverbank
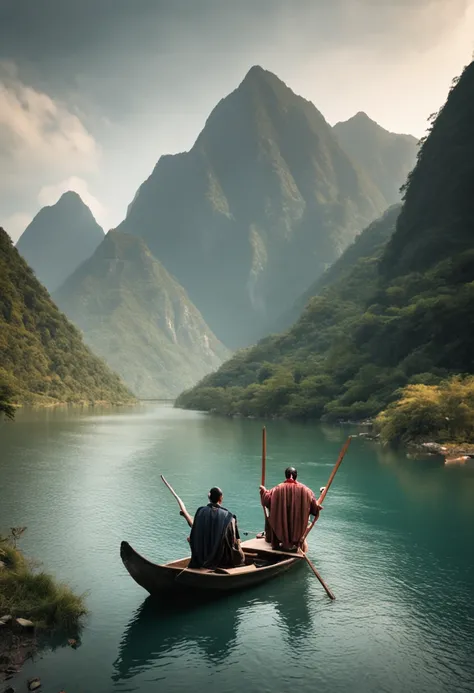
33, 605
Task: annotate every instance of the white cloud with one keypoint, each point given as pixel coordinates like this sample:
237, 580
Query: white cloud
50, 194
39, 132
42, 140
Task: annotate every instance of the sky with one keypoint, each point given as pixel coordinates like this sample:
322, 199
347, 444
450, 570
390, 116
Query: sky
93, 92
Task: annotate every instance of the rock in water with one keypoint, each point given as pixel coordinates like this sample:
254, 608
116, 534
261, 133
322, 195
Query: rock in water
34, 684
25, 623
5, 619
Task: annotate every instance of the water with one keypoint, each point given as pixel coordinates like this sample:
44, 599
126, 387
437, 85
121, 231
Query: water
394, 542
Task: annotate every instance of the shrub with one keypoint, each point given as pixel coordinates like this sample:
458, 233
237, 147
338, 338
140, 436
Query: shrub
444, 413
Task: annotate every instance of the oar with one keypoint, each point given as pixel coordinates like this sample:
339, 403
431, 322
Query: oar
326, 488
329, 592
182, 507
264, 453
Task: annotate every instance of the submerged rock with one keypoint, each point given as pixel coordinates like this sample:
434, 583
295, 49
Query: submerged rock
34, 683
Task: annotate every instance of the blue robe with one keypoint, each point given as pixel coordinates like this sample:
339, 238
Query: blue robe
212, 537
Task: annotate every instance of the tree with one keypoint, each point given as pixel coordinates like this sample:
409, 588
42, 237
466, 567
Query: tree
6, 395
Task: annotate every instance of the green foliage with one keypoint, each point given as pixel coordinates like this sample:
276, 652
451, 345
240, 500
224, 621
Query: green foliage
387, 315
139, 319
42, 355
35, 595
298, 373
440, 413
6, 396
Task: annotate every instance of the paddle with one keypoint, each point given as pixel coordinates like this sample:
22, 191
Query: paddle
264, 453
319, 501
182, 507
264, 464
326, 488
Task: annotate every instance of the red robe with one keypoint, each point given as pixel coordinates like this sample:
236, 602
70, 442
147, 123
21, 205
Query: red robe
290, 504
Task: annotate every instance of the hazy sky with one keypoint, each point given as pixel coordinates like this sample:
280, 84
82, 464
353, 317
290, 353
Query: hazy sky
92, 92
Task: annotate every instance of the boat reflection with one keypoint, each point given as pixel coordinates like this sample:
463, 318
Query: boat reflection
161, 628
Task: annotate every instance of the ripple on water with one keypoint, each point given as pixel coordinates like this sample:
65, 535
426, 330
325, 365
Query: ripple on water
400, 569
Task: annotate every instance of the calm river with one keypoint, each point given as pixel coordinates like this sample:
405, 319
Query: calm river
394, 542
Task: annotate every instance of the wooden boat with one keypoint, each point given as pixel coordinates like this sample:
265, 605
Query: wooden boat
261, 563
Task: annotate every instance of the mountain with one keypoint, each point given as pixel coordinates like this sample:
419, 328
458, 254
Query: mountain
59, 239
42, 356
400, 316
367, 244
387, 157
139, 319
259, 380
264, 201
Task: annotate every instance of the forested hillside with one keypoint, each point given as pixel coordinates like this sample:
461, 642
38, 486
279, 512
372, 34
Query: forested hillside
42, 356
139, 319
401, 316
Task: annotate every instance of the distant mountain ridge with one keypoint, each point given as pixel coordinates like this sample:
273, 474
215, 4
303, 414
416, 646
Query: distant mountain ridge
59, 238
386, 156
139, 319
265, 200
42, 356
367, 244
397, 316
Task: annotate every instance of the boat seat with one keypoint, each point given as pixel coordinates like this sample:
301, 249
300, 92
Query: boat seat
233, 571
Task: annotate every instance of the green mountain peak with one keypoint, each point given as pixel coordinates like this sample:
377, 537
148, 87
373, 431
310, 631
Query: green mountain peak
59, 238
394, 310
264, 201
135, 315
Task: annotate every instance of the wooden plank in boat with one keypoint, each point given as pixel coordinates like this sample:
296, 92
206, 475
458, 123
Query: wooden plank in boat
262, 545
234, 571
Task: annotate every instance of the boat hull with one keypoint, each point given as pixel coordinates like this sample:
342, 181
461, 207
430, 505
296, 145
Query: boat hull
262, 564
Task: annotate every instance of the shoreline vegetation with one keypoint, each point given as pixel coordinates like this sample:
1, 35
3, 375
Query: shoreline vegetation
386, 332
434, 419
34, 606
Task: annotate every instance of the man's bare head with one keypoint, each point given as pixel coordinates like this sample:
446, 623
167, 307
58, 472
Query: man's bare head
215, 495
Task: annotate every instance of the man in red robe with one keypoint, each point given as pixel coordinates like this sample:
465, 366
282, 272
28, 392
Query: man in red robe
290, 505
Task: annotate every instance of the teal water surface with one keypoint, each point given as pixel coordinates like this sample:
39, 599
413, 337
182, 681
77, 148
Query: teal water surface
394, 542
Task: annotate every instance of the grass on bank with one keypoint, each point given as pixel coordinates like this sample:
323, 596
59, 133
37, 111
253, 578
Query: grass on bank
441, 413
36, 595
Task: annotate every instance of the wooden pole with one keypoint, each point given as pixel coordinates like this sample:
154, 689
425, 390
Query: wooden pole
329, 592
336, 467
264, 454
264, 468
182, 507
326, 488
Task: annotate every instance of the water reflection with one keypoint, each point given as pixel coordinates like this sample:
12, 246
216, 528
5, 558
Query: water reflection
160, 628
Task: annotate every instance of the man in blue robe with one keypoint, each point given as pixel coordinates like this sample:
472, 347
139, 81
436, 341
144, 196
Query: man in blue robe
214, 538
